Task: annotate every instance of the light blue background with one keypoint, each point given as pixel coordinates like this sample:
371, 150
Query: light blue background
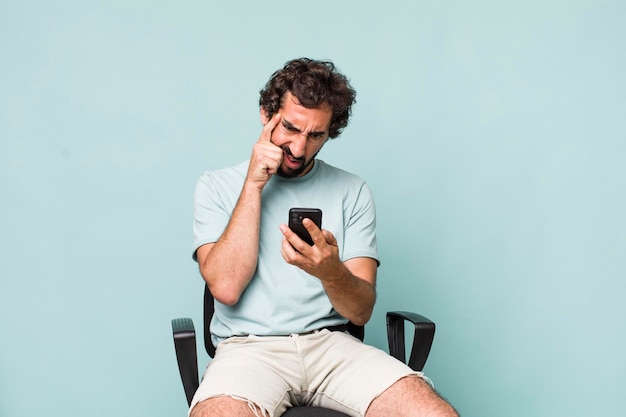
492, 134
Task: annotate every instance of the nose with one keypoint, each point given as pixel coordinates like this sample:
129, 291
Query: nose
298, 145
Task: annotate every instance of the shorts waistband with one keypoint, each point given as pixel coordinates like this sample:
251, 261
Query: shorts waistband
336, 328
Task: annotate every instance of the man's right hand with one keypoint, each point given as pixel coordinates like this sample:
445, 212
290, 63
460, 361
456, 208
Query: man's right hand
229, 264
266, 157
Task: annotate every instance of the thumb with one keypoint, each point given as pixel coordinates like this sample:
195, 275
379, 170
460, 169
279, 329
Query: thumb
329, 237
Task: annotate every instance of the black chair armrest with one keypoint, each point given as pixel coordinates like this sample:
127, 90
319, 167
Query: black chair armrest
186, 354
422, 339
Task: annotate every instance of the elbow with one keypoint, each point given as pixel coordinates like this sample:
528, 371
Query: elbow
224, 295
223, 292
363, 314
362, 319
226, 298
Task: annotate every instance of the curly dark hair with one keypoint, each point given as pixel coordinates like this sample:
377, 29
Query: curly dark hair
313, 83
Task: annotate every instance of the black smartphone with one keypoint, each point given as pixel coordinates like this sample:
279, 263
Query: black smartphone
295, 221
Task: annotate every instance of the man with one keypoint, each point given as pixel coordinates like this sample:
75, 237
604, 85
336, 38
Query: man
279, 300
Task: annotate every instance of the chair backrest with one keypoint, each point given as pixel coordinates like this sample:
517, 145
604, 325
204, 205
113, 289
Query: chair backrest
209, 309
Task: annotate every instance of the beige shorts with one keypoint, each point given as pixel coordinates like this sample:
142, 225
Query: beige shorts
324, 368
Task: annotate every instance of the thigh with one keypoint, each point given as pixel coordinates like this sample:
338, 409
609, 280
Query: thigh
349, 373
258, 372
223, 407
410, 396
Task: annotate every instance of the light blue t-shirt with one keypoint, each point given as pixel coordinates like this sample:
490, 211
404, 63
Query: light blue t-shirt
282, 299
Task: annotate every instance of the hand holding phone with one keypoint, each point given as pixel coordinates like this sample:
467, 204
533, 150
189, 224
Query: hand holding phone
296, 215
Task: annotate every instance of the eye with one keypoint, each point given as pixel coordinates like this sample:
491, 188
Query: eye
316, 136
290, 128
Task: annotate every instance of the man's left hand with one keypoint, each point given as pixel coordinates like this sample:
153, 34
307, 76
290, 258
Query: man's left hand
320, 260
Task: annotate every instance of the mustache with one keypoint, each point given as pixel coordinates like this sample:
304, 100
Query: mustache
286, 149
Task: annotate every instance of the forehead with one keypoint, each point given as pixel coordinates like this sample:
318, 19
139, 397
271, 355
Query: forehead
317, 118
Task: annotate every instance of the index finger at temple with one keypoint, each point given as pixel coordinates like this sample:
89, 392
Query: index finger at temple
266, 135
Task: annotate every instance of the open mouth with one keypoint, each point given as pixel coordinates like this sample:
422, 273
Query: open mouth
292, 162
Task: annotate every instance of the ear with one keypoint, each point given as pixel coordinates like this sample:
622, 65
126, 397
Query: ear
264, 118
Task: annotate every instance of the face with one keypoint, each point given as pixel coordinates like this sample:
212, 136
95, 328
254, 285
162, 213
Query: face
301, 133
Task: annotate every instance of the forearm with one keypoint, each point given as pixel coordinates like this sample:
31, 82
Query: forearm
351, 296
231, 262
350, 285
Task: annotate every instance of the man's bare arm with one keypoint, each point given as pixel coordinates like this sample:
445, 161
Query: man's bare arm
228, 265
350, 285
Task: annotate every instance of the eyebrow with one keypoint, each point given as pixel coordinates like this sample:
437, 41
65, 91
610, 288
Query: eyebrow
291, 126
